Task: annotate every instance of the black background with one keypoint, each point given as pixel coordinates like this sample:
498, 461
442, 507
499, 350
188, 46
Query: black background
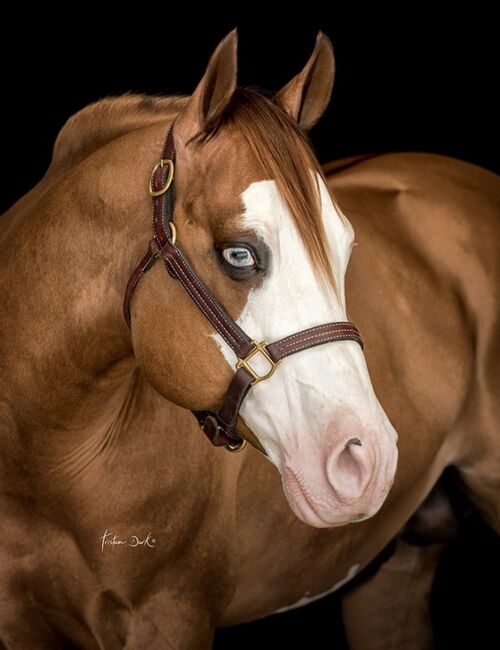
407, 79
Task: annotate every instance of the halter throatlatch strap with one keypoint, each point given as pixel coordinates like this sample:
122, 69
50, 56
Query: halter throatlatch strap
220, 427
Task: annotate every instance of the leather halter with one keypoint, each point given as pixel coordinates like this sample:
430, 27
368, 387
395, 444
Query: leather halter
220, 427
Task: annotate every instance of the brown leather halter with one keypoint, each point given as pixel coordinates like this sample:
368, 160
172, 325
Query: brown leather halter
219, 427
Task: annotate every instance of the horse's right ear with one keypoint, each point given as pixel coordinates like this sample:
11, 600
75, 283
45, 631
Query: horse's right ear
212, 94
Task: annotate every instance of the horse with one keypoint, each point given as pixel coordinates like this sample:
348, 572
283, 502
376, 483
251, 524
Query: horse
122, 526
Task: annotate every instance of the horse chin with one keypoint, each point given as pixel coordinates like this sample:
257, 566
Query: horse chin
320, 503
306, 512
312, 515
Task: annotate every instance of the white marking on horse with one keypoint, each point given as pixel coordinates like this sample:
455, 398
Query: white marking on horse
292, 298
318, 400
310, 599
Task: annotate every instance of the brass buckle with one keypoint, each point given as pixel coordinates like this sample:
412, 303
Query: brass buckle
170, 177
236, 447
260, 347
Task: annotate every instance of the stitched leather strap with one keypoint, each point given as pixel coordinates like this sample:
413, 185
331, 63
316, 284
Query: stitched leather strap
179, 268
177, 264
162, 208
340, 331
220, 427
163, 204
137, 274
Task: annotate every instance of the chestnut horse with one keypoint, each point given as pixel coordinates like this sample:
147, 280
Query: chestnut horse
121, 525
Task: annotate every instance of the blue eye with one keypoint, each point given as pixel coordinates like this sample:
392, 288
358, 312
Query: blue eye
239, 257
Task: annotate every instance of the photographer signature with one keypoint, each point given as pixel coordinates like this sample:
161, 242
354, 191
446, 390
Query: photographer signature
112, 539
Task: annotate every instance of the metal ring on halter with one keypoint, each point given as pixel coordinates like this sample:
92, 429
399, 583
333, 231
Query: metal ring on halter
173, 232
237, 447
260, 347
164, 162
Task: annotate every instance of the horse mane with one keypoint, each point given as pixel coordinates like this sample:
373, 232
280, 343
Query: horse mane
285, 155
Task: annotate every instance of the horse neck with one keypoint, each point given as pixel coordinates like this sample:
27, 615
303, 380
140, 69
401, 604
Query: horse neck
67, 253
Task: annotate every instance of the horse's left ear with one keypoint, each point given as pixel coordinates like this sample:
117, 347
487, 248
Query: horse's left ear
306, 96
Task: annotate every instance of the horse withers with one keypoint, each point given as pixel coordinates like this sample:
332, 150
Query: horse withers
123, 526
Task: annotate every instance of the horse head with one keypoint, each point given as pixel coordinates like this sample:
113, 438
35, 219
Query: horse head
258, 223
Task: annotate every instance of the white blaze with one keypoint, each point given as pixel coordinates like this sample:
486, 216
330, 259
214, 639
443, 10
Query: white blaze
297, 405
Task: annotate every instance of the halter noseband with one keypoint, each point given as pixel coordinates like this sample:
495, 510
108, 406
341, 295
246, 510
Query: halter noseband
220, 427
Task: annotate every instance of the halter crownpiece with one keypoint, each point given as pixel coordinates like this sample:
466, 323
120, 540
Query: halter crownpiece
220, 427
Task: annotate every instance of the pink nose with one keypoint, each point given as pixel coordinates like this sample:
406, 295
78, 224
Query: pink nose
349, 470
342, 483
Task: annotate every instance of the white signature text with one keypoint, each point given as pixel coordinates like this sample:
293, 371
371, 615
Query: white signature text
112, 539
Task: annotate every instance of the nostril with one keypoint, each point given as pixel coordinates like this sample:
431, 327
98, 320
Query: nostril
348, 471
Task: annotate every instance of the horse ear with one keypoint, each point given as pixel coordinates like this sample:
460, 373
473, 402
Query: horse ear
213, 93
306, 96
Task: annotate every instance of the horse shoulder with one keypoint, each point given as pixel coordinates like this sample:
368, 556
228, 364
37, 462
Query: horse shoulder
432, 178
439, 208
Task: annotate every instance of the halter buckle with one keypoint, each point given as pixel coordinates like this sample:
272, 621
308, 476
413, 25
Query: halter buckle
212, 430
164, 162
260, 348
236, 447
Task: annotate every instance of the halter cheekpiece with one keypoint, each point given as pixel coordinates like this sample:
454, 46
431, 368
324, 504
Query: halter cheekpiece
220, 427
